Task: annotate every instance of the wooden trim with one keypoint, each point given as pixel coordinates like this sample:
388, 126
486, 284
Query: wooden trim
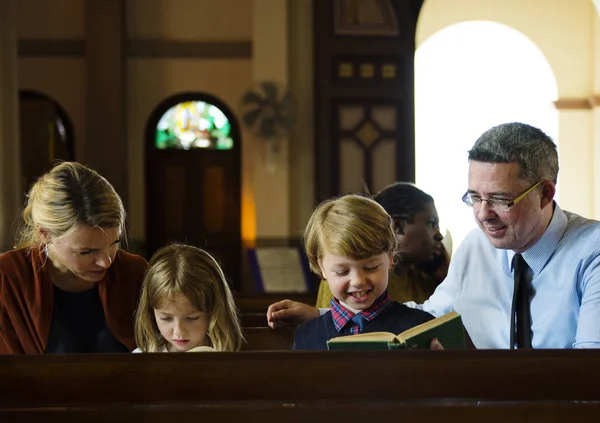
578, 103
51, 48
189, 49
140, 48
270, 412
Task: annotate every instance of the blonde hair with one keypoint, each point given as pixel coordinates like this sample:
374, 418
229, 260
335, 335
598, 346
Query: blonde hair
68, 195
185, 270
351, 226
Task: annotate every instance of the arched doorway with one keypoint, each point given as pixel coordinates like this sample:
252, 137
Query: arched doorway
46, 135
469, 77
193, 172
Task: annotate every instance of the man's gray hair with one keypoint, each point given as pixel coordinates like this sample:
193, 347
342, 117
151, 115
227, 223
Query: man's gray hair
515, 142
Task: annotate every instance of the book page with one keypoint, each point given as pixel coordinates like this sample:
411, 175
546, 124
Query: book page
427, 325
366, 337
280, 270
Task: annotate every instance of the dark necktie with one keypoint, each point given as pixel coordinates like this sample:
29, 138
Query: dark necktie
520, 305
360, 321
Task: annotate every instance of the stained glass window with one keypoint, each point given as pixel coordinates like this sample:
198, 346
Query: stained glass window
194, 124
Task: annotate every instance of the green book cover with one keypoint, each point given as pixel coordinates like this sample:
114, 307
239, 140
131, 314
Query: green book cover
448, 329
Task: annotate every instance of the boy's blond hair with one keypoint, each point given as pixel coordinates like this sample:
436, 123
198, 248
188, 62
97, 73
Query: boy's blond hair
179, 269
351, 226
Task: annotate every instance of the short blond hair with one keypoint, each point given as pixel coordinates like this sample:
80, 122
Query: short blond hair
179, 269
68, 195
351, 226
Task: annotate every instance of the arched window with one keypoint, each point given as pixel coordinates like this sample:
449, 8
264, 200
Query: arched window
194, 124
469, 77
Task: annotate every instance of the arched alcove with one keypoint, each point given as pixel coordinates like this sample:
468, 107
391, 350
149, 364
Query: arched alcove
469, 77
193, 178
46, 134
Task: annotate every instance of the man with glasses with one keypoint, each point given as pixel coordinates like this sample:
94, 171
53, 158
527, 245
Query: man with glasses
530, 277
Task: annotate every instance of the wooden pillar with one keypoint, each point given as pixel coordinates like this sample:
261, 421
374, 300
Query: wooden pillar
10, 169
106, 143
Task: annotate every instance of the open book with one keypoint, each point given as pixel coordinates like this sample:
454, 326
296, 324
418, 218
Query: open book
448, 329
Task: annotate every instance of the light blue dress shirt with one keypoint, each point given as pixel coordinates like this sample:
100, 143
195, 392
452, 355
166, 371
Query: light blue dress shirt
565, 302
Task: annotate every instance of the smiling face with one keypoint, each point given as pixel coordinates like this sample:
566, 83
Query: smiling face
85, 253
356, 283
523, 224
182, 325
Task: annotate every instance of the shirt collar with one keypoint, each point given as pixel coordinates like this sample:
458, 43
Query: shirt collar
341, 315
539, 253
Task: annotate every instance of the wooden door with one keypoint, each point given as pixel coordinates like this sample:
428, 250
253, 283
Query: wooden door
193, 196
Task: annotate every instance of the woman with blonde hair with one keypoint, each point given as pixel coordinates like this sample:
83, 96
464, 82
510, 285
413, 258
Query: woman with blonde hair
68, 287
186, 304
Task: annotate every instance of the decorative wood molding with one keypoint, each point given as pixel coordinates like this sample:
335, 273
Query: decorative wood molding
578, 103
140, 48
189, 49
51, 48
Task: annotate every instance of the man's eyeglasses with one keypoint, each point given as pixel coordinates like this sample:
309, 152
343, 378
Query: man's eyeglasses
498, 204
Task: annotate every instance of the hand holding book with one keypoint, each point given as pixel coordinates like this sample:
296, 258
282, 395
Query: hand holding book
445, 332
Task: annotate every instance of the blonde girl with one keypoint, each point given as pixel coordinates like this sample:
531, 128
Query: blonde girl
186, 304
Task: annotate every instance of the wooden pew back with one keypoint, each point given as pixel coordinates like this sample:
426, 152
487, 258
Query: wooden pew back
208, 378
349, 413
267, 339
259, 302
461, 386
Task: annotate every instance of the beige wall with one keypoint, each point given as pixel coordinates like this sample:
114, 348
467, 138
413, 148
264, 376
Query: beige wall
596, 113
51, 19
64, 81
61, 78
566, 32
190, 20
302, 143
562, 29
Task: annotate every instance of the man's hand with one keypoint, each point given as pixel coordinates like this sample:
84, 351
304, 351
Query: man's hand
436, 345
290, 313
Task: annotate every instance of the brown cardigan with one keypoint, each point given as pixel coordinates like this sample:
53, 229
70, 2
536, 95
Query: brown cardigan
27, 298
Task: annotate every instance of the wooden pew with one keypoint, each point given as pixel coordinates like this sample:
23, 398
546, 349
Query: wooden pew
530, 413
267, 339
254, 320
465, 386
259, 302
